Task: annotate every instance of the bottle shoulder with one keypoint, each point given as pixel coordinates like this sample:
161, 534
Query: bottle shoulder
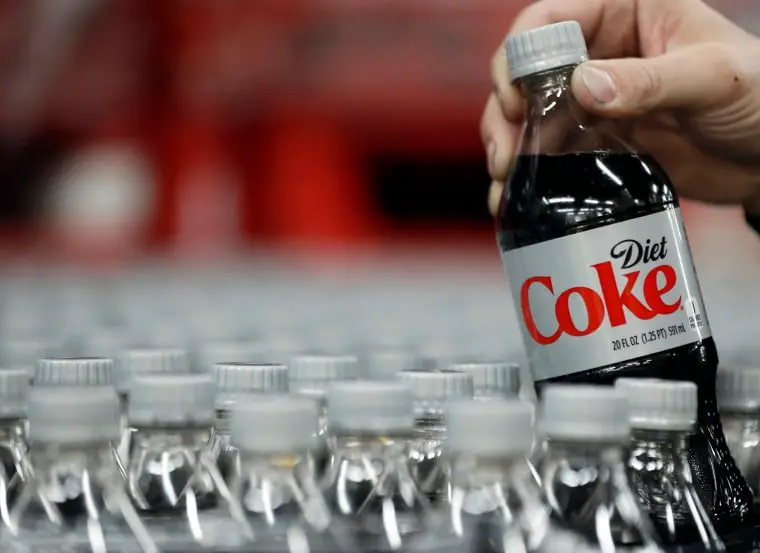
549, 196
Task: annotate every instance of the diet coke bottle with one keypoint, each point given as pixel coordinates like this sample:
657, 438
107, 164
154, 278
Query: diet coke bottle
596, 253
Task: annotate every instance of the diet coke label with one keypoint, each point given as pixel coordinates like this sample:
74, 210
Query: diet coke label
607, 295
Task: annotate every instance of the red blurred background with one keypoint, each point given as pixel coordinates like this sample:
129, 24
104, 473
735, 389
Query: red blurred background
197, 127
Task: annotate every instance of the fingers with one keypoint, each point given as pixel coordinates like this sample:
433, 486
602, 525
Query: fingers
689, 79
494, 196
499, 138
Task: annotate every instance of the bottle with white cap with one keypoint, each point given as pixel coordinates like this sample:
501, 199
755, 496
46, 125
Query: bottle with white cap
136, 362
233, 380
738, 390
310, 375
583, 470
14, 393
662, 414
370, 482
432, 391
74, 496
171, 417
496, 502
275, 498
492, 379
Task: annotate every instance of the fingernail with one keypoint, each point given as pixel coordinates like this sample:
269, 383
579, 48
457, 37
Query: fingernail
491, 152
599, 84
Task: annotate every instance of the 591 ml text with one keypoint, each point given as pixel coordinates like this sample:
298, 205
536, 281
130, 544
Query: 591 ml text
648, 336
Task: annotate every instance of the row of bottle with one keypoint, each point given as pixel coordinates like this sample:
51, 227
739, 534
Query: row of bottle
377, 465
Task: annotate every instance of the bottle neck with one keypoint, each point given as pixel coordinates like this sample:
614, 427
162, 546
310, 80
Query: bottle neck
547, 90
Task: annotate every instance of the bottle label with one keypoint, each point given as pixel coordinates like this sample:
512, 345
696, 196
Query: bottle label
607, 295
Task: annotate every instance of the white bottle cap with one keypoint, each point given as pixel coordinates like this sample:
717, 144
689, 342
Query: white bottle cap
85, 371
384, 362
73, 415
271, 424
363, 406
171, 400
311, 375
214, 353
490, 428
432, 389
233, 379
660, 404
14, 392
582, 413
739, 389
492, 379
135, 362
546, 48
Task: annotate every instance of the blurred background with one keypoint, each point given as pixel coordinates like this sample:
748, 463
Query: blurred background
328, 133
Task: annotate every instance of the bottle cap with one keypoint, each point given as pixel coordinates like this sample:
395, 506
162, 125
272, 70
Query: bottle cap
383, 363
584, 413
659, 404
14, 392
490, 428
273, 423
171, 399
364, 406
546, 48
214, 353
310, 375
134, 362
71, 415
233, 379
492, 379
739, 389
84, 371
432, 389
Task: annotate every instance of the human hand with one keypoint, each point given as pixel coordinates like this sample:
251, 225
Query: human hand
687, 78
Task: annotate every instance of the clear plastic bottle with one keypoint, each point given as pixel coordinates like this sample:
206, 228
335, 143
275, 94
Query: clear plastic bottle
14, 449
493, 379
583, 467
143, 361
74, 497
738, 391
171, 471
496, 503
275, 499
662, 415
432, 390
74, 371
232, 381
311, 376
370, 480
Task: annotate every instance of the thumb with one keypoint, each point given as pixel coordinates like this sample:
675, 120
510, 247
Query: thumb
691, 78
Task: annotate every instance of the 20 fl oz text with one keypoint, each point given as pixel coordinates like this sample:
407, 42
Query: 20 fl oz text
647, 337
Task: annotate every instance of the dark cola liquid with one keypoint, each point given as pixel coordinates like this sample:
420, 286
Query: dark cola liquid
550, 197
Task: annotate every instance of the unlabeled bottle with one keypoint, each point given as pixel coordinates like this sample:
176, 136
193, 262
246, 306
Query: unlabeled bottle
493, 379
311, 376
496, 504
74, 497
370, 482
143, 361
739, 403
598, 260
14, 449
583, 467
84, 371
171, 469
662, 415
232, 381
432, 390
275, 498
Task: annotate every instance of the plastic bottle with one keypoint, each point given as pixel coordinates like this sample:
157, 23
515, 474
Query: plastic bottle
583, 468
597, 257
492, 379
432, 390
14, 448
662, 415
